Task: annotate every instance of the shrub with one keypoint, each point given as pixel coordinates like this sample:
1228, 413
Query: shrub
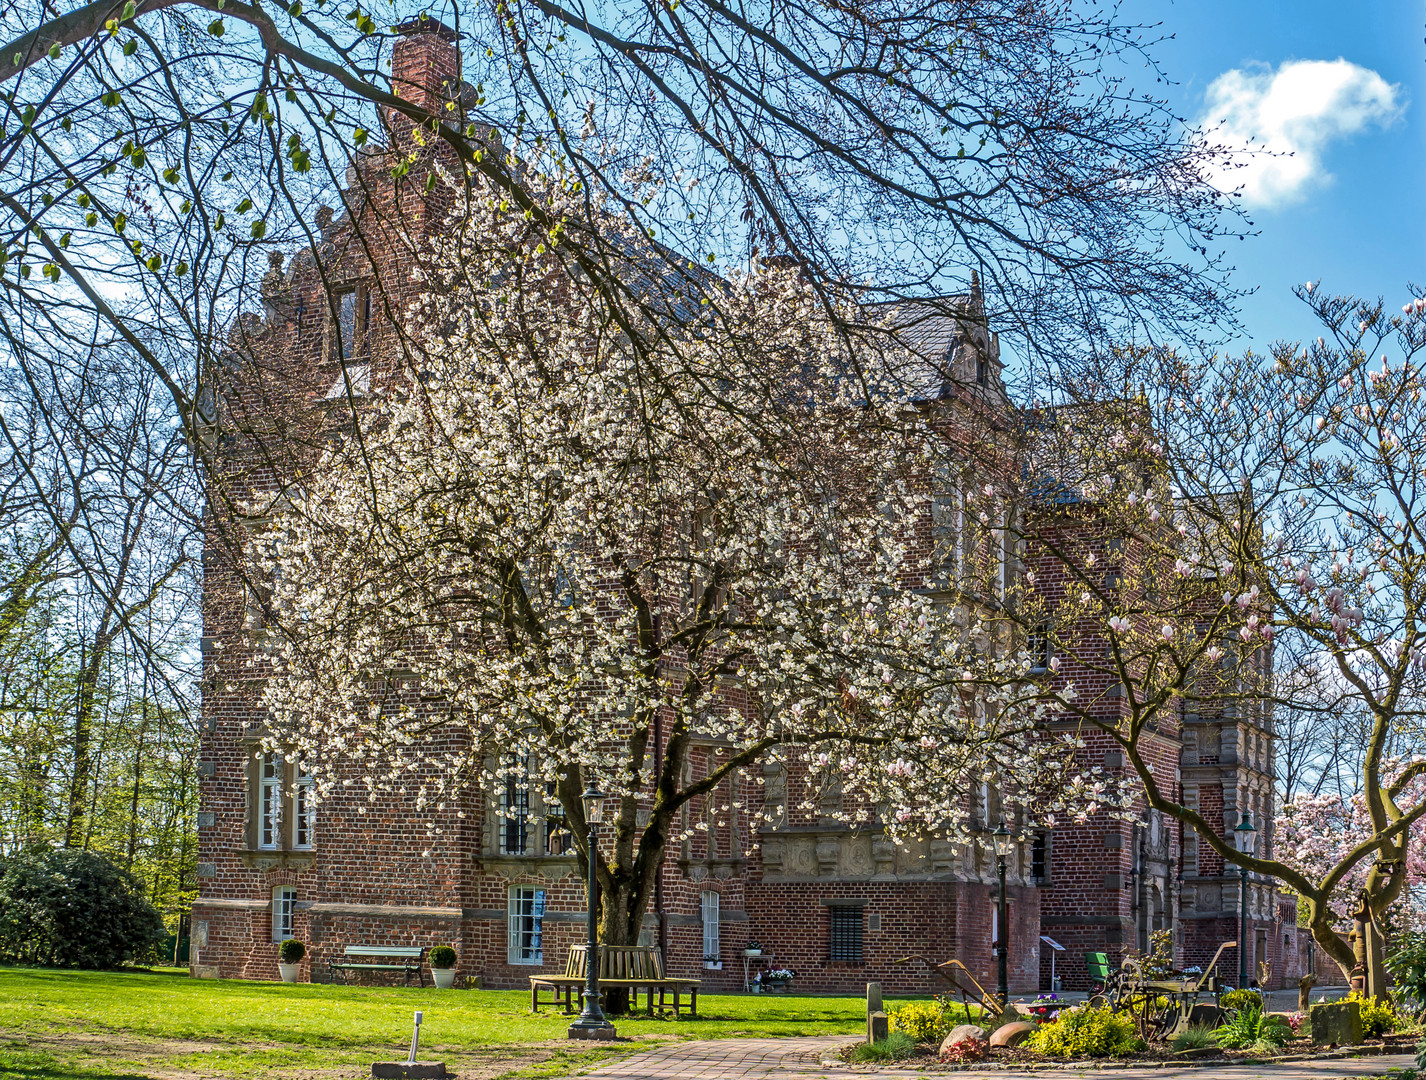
1378, 1017
923, 1021
1252, 1027
1194, 1037
291, 951
443, 956
1407, 963
68, 908
895, 1046
1087, 1032
1236, 1000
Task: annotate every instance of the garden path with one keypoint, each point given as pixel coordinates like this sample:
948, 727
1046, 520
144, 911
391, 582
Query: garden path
801, 1059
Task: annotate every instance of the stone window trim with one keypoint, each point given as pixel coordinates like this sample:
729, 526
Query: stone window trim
349, 323
292, 791
545, 832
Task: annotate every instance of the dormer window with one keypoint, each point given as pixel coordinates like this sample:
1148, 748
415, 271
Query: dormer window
353, 310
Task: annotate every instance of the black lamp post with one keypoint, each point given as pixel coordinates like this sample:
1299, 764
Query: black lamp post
1001, 837
591, 1023
1246, 838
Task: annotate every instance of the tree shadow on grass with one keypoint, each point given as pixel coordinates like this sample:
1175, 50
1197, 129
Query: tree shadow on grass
33, 1065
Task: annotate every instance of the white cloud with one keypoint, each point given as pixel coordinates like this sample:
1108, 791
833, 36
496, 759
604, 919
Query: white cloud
1279, 122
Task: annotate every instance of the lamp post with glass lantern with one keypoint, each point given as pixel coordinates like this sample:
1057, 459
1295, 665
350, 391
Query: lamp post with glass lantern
1001, 837
1246, 838
591, 1023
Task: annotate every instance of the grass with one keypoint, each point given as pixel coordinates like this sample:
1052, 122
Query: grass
124, 1025
1195, 1037
894, 1047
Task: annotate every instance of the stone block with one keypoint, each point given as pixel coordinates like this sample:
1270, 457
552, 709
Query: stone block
1012, 1034
595, 1034
396, 1070
1337, 1023
877, 1027
873, 997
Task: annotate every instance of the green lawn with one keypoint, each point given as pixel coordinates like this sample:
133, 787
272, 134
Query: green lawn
99, 1025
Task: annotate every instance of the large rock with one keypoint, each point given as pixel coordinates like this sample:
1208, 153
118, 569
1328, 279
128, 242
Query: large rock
1012, 1034
1337, 1023
964, 1035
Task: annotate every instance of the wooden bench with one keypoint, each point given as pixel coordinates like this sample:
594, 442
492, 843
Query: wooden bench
402, 958
1100, 973
630, 966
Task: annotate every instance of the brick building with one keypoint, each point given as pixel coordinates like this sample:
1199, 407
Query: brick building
838, 905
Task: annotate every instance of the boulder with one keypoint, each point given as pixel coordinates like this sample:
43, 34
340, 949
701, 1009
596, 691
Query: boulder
1012, 1034
1337, 1023
964, 1035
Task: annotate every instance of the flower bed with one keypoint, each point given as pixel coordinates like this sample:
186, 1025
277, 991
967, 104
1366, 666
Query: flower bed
926, 1056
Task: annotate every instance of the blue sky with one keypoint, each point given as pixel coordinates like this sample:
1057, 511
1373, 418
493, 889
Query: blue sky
1353, 216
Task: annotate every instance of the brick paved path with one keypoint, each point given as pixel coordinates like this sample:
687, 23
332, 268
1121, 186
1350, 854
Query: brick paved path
800, 1059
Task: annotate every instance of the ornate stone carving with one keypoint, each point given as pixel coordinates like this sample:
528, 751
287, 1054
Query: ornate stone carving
828, 853
856, 857
943, 857
772, 857
883, 854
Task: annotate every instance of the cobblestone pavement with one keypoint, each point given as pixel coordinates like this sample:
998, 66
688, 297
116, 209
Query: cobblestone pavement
800, 1059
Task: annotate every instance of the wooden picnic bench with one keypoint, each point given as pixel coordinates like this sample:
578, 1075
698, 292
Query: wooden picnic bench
631, 966
403, 958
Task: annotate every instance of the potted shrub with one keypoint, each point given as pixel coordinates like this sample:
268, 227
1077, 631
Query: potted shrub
753, 948
712, 963
443, 966
289, 959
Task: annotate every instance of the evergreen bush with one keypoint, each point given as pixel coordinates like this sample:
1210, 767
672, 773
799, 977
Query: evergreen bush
443, 956
68, 908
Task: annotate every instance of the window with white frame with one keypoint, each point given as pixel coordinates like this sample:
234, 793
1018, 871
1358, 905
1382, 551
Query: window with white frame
947, 505
284, 903
282, 803
710, 926
270, 801
525, 921
304, 812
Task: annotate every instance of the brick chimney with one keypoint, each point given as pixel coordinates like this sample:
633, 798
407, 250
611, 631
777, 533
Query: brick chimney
425, 64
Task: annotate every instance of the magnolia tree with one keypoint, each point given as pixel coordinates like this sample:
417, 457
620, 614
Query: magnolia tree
1244, 533
1320, 832
572, 560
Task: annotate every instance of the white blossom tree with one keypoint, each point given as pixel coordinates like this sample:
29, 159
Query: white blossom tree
535, 545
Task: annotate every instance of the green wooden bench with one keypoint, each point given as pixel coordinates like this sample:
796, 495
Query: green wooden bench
1097, 964
630, 966
402, 958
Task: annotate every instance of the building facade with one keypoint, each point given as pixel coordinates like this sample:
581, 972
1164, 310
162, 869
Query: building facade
841, 906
